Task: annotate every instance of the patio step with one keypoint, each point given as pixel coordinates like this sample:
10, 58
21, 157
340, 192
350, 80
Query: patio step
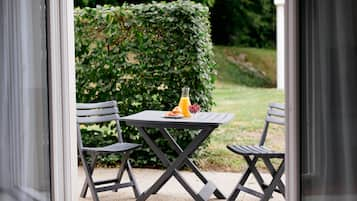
207, 191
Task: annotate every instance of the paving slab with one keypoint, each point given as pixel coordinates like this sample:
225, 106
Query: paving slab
172, 191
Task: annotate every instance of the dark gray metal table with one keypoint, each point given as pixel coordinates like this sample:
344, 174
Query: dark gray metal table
206, 122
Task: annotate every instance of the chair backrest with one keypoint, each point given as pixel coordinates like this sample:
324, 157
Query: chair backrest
92, 113
275, 115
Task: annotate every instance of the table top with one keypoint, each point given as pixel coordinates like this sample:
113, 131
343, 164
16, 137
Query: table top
154, 118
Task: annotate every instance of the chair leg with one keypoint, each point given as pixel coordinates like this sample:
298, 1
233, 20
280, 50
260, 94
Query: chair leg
276, 179
89, 179
233, 196
133, 180
127, 166
255, 172
122, 168
91, 170
273, 172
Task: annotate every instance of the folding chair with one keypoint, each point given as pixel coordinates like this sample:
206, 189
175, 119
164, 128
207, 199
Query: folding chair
92, 113
251, 154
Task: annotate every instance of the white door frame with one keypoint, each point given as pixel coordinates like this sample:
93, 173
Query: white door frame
292, 100
60, 36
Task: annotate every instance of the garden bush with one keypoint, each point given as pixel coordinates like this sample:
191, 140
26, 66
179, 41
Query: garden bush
142, 55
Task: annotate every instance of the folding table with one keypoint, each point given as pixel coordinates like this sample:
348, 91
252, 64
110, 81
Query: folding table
206, 122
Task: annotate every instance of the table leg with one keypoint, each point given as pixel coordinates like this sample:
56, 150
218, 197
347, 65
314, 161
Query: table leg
176, 147
167, 163
172, 168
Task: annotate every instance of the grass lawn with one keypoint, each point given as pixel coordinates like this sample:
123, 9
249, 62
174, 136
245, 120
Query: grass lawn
246, 66
249, 104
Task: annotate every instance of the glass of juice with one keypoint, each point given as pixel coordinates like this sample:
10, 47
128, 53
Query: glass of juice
185, 103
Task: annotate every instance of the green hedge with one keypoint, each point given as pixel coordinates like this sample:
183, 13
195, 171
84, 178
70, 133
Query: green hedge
141, 56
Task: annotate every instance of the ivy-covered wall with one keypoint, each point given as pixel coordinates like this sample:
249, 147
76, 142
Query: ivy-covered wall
141, 56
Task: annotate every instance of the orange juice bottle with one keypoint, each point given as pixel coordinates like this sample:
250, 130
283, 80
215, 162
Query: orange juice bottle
185, 102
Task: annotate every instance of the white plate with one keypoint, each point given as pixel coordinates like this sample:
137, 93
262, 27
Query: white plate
173, 117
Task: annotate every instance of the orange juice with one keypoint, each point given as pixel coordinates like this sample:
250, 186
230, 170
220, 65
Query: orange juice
184, 104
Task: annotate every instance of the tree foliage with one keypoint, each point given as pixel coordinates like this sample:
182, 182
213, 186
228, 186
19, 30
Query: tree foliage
250, 23
94, 3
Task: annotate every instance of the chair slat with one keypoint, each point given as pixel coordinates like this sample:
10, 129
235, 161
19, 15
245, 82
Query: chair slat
254, 150
276, 112
257, 150
97, 119
277, 105
243, 149
275, 120
96, 105
94, 112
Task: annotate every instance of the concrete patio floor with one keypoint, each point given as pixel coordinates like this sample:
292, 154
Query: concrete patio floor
172, 191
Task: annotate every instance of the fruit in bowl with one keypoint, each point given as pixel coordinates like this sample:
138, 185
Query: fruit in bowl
194, 108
